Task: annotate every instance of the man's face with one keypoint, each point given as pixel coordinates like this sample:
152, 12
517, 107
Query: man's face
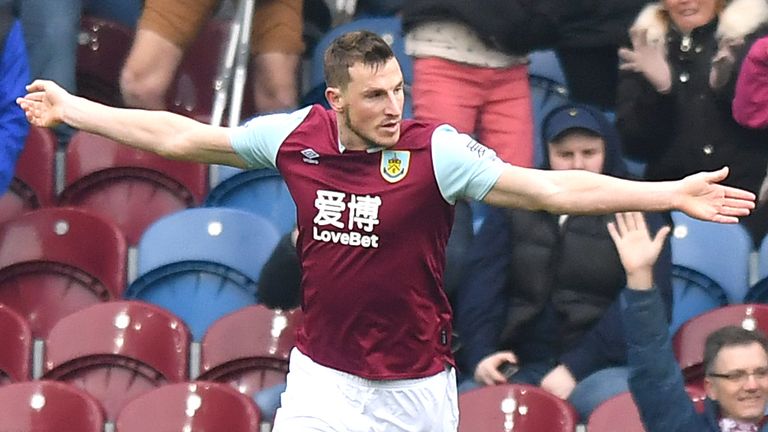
690, 14
742, 390
577, 151
371, 106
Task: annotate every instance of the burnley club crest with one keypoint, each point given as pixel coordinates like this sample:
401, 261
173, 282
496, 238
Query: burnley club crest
394, 165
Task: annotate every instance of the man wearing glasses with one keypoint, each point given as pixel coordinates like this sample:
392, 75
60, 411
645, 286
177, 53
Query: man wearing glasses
735, 359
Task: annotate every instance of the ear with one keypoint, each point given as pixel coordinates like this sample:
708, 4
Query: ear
335, 98
710, 389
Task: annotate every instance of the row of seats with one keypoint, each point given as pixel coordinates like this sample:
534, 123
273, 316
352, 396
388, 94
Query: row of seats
528, 408
120, 353
133, 188
186, 406
118, 350
199, 263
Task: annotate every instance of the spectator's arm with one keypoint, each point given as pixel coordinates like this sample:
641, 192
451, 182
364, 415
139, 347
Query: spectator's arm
481, 300
750, 101
604, 345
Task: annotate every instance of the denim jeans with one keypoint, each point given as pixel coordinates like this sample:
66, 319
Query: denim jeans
597, 388
51, 29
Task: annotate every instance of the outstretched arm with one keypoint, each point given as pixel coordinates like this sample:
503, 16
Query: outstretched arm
581, 192
170, 135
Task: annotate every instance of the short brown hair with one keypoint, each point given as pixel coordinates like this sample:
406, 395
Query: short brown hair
730, 336
352, 48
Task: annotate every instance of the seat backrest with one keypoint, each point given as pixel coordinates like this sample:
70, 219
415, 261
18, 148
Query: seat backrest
718, 251
259, 357
190, 407
762, 270
545, 64
621, 413
48, 405
389, 28
693, 294
56, 260
117, 350
262, 192
688, 341
33, 182
16, 343
522, 407
131, 187
103, 46
618, 412
546, 95
203, 263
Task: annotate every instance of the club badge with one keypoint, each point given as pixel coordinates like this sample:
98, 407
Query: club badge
394, 165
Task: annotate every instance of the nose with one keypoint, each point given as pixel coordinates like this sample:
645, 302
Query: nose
751, 382
394, 106
579, 162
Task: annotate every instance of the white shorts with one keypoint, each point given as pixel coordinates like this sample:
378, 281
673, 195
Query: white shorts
321, 399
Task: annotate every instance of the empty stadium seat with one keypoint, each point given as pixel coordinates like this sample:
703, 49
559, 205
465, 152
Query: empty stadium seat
38, 406
262, 192
720, 252
259, 359
56, 260
518, 407
16, 342
693, 294
548, 91
103, 46
190, 407
688, 341
118, 350
33, 183
131, 187
203, 263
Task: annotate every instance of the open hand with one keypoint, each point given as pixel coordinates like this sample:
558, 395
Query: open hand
44, 103
704, 198
647, 58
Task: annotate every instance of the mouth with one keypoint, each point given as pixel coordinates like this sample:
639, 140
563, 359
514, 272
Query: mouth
391, 126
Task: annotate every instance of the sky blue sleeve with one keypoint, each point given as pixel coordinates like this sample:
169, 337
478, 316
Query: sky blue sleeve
258, 140
463, 167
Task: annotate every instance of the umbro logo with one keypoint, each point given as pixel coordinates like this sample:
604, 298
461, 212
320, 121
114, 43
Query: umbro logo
310, 156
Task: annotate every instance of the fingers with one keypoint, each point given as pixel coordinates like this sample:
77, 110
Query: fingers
638, 37
661, 236
736, 197
37, 86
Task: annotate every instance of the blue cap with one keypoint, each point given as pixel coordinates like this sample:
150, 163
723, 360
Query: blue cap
569, 117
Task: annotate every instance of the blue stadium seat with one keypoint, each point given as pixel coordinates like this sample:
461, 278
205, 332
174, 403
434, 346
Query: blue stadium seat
203, 263
548, 91
720, 252
692, 295
389, 28
759, 292
262, 192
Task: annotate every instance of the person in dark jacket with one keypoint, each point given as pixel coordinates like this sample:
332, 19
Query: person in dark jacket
735, 359
542, 289
676, 90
